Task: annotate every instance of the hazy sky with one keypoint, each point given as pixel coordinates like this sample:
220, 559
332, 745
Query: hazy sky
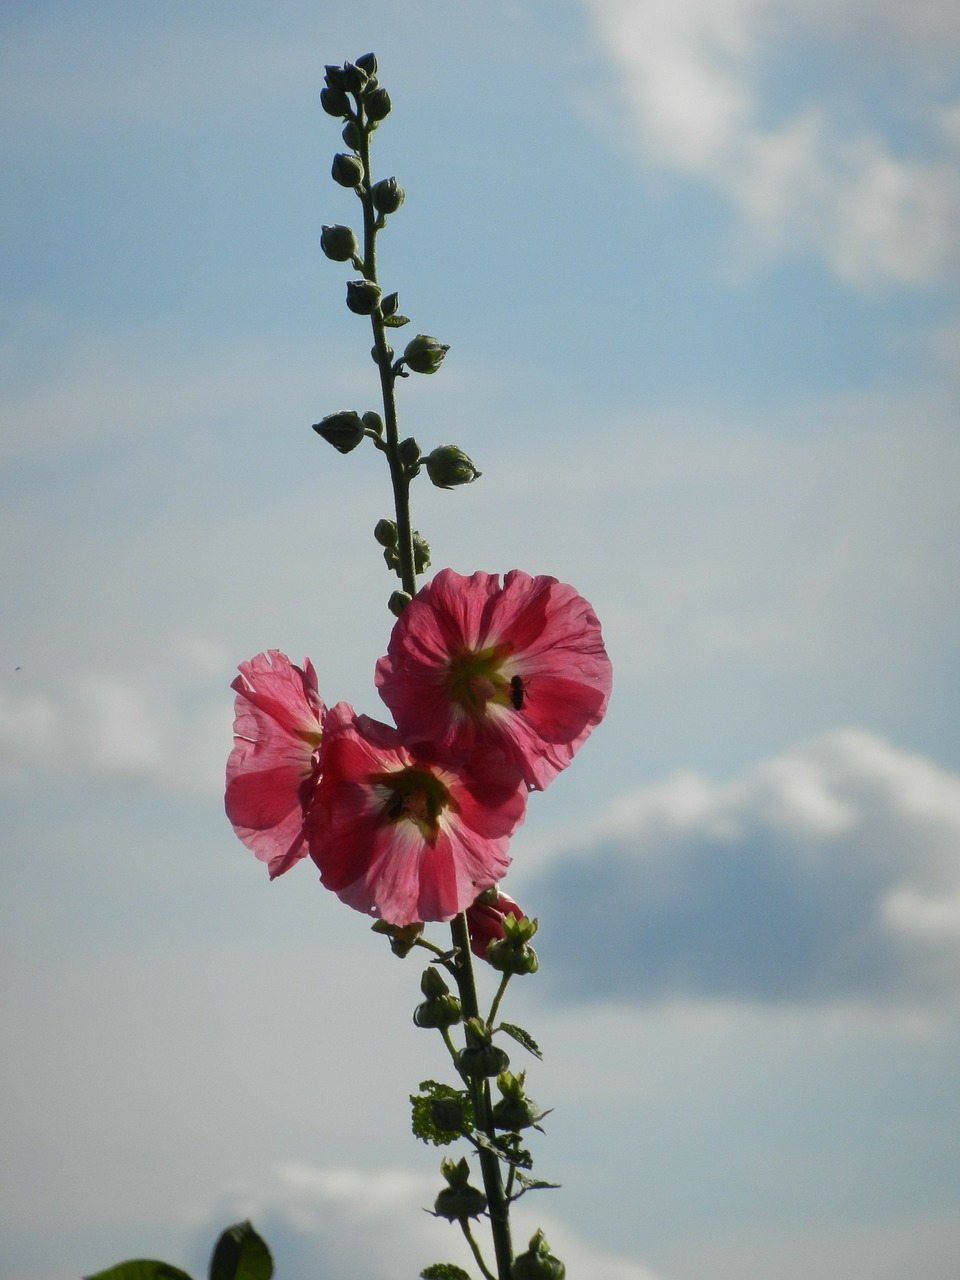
697, 262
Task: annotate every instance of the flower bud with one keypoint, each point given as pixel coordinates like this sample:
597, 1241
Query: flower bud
449, 466
424, 354
339, 243
373, 422
514, 1111
334, 77
538, 1263
347, 169
363, 296
367, 62
409, 452
403, 938
398, 602
421, 553
334, 102
352, 135
355, 77
385, 532
377, 105
388, 306
387, 195
448, 1113
375, 355
481, 1057
512, 953
458, 1200
343, 430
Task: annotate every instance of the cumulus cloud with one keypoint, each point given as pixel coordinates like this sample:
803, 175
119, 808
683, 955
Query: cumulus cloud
96, 724
704, 83
348, 1222
828, 874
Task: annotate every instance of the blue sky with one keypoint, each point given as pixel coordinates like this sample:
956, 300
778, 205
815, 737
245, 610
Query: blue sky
697, 264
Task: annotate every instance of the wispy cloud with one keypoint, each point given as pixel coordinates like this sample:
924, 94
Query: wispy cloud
701, 77
826, 875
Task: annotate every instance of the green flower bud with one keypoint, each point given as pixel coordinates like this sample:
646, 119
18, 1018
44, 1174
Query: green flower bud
387, 195
424, 354
343, 430
409, 452
375, 355
458, 1199
352, 135
481, 1057
334, 78
373, 422
515, 1111
363, 296
421, 553
347, 169
448, 1113
378, 105
441, 1011
334, 102
449, 466
355, 77
367, 62
389, 304
398, 602
403, 938
538, 1263
339, 243
385, 532
511, 953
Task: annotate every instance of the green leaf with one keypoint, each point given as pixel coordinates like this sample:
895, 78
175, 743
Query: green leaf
395, 321
240, 1254
141, 1269
522, 1037
533, 1184
444, 1271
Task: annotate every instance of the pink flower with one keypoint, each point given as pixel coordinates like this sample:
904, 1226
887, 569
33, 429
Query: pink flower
520, 666
274, 766
408, 833
485, 920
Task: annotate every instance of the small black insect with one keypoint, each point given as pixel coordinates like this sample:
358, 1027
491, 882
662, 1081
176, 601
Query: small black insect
516, 692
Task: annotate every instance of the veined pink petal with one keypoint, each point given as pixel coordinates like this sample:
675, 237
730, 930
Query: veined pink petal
521, 666
408, 833
273, 768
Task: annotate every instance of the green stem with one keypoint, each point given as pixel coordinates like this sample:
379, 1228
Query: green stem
388, 376
498, 1205
475, 1250
496, 1000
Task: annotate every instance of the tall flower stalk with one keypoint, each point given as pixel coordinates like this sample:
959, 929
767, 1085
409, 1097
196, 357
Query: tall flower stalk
494, 684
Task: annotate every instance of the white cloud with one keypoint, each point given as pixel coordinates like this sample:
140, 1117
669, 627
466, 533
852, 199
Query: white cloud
371, 1223
830, 874
697, 76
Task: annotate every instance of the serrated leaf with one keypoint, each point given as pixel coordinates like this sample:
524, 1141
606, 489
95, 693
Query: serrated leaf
522, 1037
395, 322
444, 1271
536, 1184
240, 1254
141, 1269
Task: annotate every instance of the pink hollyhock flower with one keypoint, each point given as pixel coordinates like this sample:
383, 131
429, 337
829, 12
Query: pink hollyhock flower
485, 920
274, 766
408, 833
521, 666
